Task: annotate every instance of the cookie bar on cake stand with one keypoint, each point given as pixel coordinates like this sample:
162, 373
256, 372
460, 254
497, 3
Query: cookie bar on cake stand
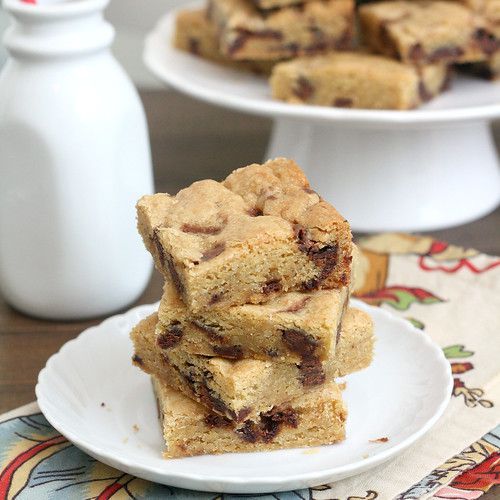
420, 169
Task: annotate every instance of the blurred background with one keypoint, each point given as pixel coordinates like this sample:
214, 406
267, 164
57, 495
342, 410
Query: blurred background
175, 121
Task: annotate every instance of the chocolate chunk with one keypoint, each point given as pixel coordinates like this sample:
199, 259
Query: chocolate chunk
229, 351
292, 48
299, 341
342, 102
309, 190
301, 235
487, 42
137, 360
249, 432
297, 306
194, 46
243, 414
238, 43
211, 331
243, 35
423, 93
193, 228
324, 257
216, 297
271, 286
179, 286
303, 88
416, 52
311, 372
478, 69
345, 41
311, 284
272, 421
214, 420
317, 46
255, 212
213, 252
445, 53
384, 35
171, 336
269, 424
155, 239
212, 400
317, 32
272, 353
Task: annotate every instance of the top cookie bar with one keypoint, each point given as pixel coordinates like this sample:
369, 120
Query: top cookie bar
260, 232
423, 32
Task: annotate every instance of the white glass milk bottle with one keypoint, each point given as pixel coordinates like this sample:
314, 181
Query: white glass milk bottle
74, 159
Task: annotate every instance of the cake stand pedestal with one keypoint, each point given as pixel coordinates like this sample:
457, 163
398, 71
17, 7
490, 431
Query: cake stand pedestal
409, 178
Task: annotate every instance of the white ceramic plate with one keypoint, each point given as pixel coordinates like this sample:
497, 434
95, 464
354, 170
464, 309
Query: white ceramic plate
400, 396
469, 99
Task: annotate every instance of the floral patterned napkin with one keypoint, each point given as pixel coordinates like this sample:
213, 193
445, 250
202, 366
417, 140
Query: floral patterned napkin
451, 293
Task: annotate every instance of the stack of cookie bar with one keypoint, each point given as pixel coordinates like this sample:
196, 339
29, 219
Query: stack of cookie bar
404, 49
254, 323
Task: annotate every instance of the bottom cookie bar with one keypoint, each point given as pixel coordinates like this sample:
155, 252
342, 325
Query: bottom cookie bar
357, 80
189, 429
243, 389
194, 33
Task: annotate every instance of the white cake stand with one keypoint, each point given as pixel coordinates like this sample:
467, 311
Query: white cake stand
423, 169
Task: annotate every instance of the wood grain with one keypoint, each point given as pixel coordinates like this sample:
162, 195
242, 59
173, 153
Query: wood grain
190, 141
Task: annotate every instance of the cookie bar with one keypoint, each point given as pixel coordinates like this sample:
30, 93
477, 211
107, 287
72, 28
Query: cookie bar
313, 27
242, 389
314, 419
195, 34
261, 232
356, 80
423, 32
278, 330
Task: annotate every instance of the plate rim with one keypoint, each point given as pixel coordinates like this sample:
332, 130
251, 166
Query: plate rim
274, 482
163, 31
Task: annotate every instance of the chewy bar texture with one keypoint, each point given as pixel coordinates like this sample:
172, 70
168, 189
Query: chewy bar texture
195, 34
314, 419
423, 32
313, 27
356, 80
267, 331
242, 389
261, 232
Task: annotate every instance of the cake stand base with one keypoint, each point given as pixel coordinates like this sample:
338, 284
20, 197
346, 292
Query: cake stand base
412, 178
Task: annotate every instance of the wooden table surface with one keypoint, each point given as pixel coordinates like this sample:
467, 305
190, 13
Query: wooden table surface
190, 141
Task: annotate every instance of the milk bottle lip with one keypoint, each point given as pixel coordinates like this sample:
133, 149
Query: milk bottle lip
54, 8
